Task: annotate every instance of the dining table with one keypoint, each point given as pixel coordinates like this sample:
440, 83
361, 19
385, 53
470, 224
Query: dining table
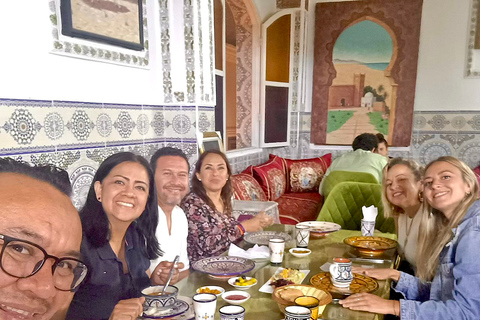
324, 250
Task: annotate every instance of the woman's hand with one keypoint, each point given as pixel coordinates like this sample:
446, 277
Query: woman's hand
129, 309
258, 222
380, 274
371, 303
162, 271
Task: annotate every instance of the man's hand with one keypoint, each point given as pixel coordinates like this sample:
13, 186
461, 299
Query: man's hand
162, 271
129, 309
371, 303
380, 274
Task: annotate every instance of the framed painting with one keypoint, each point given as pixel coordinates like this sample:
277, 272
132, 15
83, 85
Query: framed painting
114, 22
365, 70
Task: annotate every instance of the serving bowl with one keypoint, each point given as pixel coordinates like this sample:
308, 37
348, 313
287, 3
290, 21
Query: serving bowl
154, 299
210, 288
230, 297
232, 281
323, 296
300, 252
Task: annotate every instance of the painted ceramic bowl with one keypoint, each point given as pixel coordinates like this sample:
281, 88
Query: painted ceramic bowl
154, 298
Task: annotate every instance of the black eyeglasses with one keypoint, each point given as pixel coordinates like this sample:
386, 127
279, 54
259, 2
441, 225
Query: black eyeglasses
22, 259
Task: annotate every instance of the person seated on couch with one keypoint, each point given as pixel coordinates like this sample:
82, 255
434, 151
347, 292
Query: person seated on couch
362, 159
209, 209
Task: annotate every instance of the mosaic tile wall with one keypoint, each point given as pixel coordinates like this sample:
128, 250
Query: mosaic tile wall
78, 136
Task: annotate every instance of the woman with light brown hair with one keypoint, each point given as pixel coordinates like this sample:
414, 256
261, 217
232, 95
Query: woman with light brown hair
448, 272
402, 197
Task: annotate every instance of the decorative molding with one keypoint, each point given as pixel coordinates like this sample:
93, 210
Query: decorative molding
472, 65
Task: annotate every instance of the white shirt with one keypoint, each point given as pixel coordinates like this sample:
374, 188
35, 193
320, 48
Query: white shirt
408, 236
175, 243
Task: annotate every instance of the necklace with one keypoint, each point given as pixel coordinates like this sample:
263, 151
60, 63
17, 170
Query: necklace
408, 228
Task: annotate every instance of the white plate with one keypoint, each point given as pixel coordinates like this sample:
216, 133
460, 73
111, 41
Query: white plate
232, 281
267, 288
300, 255
321, 227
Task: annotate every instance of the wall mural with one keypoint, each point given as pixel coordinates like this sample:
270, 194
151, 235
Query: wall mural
361, 94
365, 65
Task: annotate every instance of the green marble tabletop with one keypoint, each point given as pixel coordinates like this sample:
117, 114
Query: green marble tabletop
262, 306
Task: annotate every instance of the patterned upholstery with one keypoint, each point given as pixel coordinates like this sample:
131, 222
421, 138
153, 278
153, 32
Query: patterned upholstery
335, 177
305, 175
303, 206
271, 176
345, 201
245, 187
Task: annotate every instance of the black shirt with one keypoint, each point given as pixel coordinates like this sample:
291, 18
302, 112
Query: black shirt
106, 284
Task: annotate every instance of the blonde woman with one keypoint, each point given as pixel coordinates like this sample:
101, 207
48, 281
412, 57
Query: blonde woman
402, 197
448, 280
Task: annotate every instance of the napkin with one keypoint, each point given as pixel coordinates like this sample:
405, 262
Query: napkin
257, 252
370, 213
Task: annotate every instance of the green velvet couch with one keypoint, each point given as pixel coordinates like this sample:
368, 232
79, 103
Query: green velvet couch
344, 200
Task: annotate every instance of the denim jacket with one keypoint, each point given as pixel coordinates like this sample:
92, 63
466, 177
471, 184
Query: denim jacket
454, 292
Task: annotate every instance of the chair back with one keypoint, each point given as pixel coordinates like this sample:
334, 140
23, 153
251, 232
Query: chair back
335, 177
345, 201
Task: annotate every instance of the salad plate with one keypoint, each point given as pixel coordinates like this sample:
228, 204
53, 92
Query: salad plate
224, 266
320, 228
263, 237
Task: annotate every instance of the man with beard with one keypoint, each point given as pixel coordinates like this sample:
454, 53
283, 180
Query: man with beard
170, 166
40, 236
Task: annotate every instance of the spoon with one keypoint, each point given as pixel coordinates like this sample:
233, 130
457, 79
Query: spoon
172, 269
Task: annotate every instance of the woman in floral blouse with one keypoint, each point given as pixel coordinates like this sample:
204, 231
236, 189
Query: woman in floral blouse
209, 209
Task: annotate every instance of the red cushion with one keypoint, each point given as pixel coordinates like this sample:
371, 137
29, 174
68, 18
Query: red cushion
303, 206
271, 176
245, 187
305, 175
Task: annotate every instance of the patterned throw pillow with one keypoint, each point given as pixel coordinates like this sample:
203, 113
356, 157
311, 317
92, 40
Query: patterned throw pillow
305, 175
245, 187
271, 176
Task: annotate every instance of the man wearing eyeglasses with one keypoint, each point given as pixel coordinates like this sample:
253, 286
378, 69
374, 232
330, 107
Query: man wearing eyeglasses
40, 236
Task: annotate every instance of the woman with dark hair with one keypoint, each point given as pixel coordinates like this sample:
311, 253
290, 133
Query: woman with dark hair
209, 209
119, 220
382, 145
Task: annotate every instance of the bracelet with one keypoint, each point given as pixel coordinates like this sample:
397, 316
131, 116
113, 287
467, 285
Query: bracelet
242, 229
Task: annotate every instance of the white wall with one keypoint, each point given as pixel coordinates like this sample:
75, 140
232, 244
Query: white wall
441, 82
29, 71
265, 8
